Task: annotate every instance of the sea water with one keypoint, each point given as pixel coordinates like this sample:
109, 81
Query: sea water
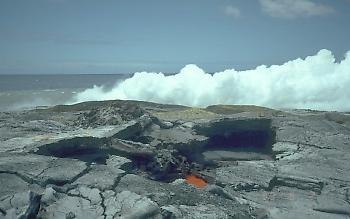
18, 92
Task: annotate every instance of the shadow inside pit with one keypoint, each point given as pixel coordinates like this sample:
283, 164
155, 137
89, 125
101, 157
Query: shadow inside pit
238, 140
87, 149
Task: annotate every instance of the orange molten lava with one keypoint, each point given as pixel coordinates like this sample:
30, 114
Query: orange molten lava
196, 181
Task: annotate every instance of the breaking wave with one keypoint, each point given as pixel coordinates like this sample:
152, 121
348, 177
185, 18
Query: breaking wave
316, 82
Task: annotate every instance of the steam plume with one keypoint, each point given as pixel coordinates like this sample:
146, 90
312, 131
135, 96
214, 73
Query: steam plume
316, 82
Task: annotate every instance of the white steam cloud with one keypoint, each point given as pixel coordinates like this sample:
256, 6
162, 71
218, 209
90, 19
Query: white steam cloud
316, 82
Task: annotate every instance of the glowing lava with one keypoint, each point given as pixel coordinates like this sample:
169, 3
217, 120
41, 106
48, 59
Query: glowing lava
196, 181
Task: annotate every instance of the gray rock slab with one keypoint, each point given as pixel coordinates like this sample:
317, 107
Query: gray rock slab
11, 184
41, 170
118, 162
100, 176
195, 212
247, 175
71, 207
130, 205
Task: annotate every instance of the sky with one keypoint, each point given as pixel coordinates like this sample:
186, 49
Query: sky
126, 36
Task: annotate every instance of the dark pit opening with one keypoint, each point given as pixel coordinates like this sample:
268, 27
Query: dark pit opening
87, 149
238, 140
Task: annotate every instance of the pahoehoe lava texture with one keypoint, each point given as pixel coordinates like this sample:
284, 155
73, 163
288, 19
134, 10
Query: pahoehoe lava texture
130, 159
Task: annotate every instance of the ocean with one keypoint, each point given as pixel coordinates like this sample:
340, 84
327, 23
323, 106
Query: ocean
18, 92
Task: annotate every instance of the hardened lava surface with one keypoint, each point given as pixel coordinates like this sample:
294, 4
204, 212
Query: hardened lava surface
130, 159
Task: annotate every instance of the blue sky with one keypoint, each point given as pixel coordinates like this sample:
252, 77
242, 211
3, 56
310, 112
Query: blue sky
125, 36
